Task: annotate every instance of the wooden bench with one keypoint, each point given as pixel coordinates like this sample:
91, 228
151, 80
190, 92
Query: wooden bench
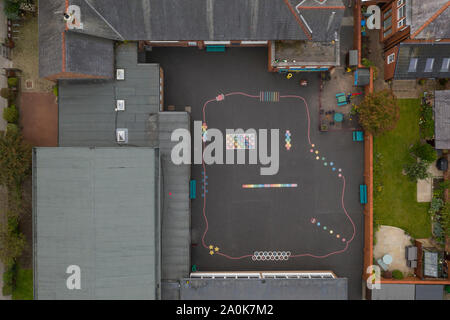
215, 48
193, 189
363, 194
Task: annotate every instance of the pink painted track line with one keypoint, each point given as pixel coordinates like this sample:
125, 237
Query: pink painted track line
309, 141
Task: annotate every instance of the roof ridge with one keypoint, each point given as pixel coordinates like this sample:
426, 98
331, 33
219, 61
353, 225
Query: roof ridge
104, 20
430, 20
308, 35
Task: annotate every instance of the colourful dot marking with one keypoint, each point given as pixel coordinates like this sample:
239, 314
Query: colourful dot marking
331, 231
318, 223
312, 150
325, 228
325, 164
313, 220
334, 169
340, 175
313, 145
317, 152
343, 239
338, 236
331, 163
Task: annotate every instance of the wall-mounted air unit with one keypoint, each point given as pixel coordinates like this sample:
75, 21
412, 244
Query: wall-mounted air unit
120, 74
122, 135
120, 105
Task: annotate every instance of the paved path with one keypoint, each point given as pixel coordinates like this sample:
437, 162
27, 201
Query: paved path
393, 240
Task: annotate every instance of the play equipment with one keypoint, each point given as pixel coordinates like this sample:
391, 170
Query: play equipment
303, 82
358, 136
215, 48
193, 189
363, 194
288, 140
341, 99
289, 75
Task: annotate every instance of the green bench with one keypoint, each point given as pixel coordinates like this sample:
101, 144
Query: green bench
358, 136
215, 48
363, 194
193, 189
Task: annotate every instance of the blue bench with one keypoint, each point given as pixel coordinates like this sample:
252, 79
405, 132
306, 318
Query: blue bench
193, 189
363, 194
358, 136
215, 48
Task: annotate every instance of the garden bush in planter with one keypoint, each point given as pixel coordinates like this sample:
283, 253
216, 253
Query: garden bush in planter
397, 274
12, 82
11, 114
7, 94
12, 128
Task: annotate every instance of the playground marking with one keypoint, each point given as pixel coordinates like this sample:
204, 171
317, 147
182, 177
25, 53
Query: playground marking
261, 186
274, 97
241, 141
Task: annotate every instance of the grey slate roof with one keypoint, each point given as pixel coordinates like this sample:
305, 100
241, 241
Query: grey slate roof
89, 55
207, 19
83, 54
267, 289
422, 11
97, 208
86, 108
422, 51
429, 292
394, 292
442, 119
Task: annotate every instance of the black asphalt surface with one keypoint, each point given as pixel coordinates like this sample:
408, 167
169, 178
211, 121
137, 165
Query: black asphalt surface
242, 221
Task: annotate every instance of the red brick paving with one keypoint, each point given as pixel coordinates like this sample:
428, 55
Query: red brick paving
39, 118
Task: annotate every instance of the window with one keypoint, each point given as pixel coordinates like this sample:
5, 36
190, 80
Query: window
400, 3
391, 58
401, 23
401, 12
412, 65
445, 64
387, 23
387, 32
388, 13
429, 65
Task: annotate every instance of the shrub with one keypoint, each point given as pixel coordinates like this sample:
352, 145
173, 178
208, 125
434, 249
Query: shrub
12, 9
421, 82
55, 90
12, 128
8, 280
425, 152
12, 82
445, 218
426, 122
15, 159
11, 114
379, 112
443, 81
7, 94
397, 274
435, 205
416, 170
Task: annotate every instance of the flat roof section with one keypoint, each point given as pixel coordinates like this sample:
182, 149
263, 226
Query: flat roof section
98, 209
87, 115
442, 118
264, 289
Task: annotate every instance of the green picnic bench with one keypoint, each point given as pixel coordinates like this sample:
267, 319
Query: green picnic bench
193, 189
215, 48
363, 194
358, 136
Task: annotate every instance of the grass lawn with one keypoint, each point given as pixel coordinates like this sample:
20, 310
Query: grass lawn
394, 194
24, 285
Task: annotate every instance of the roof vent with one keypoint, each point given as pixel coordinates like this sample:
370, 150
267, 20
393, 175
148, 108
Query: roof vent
122, 135
120, 74
120, 105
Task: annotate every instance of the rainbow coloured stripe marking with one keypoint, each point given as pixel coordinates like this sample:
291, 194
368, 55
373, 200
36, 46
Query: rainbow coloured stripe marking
260, 186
